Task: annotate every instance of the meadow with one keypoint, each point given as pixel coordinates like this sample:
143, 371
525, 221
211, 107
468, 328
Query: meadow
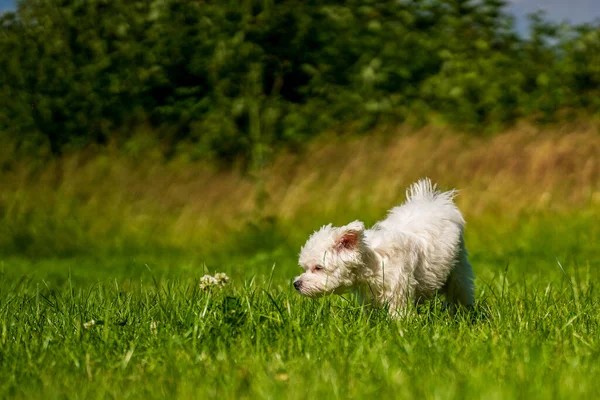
122, 237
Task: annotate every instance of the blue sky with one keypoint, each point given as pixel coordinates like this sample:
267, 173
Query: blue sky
6, 4
575, 11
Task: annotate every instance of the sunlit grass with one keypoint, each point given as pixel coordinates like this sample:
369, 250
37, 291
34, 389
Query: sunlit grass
125, 244
532, 333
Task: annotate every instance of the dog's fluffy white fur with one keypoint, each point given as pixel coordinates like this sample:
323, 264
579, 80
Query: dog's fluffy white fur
416, 251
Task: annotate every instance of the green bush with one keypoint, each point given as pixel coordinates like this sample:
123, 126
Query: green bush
236, 79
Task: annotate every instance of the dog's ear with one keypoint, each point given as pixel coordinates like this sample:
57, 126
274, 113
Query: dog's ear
350, 236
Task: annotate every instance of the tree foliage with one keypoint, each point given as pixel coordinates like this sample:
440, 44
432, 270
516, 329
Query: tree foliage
235, 78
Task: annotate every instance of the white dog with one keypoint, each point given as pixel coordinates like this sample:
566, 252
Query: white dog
415, 252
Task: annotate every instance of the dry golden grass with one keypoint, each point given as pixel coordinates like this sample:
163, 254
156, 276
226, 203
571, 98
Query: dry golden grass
520, 169
108, 197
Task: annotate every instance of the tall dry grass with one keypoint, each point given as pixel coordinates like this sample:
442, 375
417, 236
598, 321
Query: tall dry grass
106, 199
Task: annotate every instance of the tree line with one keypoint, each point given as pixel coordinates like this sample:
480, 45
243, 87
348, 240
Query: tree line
227, 79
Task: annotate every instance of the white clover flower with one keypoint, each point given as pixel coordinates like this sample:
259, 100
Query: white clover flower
89, 324
219, 280
207, 281
222, 278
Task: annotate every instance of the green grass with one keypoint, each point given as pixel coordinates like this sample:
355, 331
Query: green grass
534, 332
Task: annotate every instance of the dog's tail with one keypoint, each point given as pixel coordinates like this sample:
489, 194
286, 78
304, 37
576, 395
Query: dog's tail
424, 190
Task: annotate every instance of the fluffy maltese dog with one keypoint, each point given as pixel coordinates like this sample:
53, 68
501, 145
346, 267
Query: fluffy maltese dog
417, 251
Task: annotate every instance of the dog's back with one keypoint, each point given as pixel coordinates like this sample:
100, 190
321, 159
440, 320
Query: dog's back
431, 221
427, 211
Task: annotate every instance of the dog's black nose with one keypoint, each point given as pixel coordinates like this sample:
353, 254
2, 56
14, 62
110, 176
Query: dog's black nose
297, 285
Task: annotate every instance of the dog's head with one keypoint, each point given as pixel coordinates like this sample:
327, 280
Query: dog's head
330, 259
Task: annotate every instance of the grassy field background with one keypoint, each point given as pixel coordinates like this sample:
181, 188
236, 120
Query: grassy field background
122, 237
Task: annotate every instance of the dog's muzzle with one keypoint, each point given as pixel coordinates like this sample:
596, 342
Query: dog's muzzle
298, 285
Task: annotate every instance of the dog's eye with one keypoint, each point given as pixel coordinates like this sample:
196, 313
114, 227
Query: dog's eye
318, 268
